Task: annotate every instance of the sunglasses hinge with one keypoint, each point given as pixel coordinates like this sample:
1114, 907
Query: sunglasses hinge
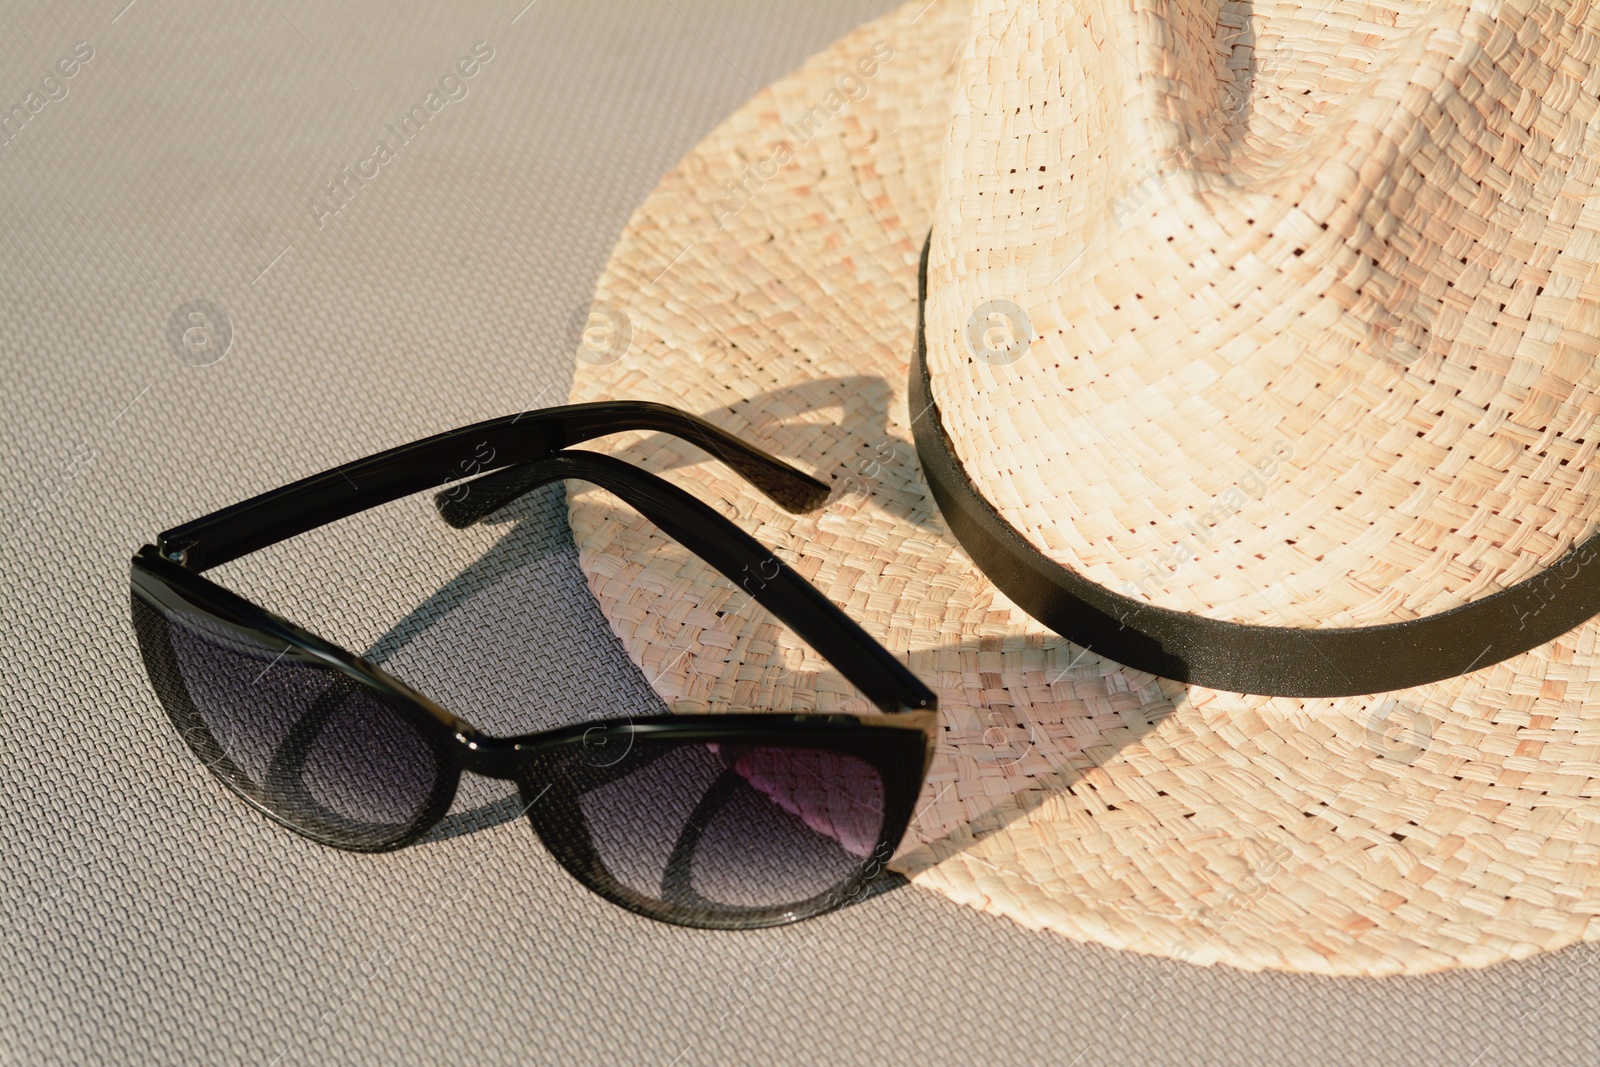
184, 555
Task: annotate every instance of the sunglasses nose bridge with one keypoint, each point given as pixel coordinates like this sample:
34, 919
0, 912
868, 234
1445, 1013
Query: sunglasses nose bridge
494, 757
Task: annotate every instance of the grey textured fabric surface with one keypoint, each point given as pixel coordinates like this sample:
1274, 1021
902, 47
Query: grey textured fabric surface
148, 916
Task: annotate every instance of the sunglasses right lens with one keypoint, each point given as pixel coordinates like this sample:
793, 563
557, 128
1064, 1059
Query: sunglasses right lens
307, 743
714, 834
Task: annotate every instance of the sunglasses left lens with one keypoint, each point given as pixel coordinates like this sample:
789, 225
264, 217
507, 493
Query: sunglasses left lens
317, 749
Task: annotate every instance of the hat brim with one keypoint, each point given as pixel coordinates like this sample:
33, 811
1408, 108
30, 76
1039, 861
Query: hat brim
769, 284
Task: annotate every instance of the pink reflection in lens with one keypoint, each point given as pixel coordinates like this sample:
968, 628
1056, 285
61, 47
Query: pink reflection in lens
834, 794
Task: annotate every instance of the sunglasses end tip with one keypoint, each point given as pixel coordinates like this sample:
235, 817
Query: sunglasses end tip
456, 514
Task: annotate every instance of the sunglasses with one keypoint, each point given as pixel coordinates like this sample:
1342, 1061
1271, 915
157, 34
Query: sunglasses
730, 820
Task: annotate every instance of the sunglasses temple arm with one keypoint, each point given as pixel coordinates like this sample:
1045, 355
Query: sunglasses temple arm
511, 441
475, 499
468, 502
789, 488
752, 567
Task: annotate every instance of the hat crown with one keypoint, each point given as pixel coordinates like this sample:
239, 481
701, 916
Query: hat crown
1275, 315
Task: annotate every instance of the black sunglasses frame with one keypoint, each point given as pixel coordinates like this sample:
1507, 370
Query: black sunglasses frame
527, 451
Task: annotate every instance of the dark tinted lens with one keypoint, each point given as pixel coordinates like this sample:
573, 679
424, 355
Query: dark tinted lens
715, 832
316, 748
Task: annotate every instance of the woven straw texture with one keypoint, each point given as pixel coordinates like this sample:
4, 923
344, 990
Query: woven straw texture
768, 283
1311, 294
147, 917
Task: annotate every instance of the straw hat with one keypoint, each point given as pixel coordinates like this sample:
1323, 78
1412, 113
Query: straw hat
1259, 355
